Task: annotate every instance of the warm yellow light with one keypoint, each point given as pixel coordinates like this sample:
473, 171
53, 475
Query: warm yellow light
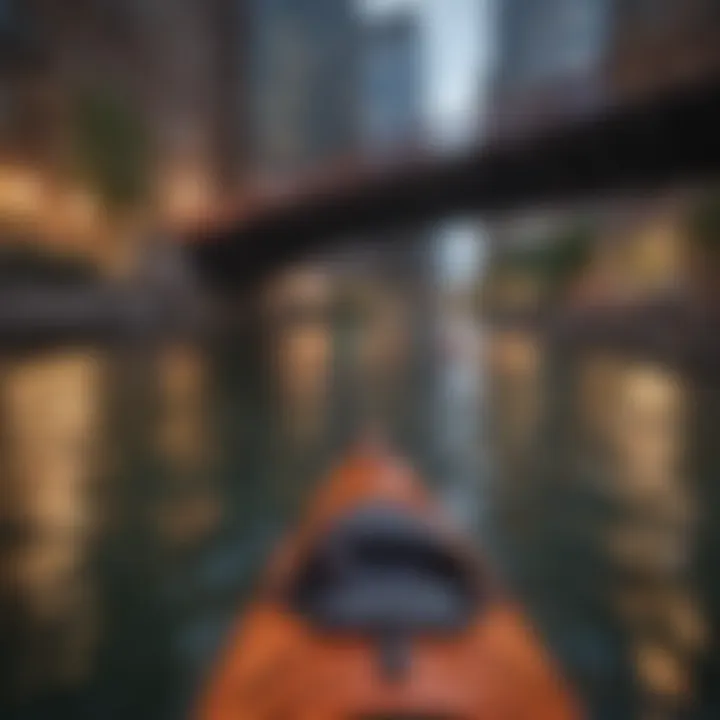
187, 196
21, 192
81, 210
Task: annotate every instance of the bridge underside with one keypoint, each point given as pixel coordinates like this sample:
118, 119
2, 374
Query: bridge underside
670, 140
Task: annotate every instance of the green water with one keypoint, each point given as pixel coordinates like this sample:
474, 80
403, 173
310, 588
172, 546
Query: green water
179, 542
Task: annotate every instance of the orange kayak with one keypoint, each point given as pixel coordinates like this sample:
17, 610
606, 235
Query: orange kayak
374, 608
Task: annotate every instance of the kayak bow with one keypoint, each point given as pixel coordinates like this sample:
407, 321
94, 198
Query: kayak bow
375, 609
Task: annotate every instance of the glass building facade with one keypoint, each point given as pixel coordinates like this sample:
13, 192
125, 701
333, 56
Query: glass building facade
302, 83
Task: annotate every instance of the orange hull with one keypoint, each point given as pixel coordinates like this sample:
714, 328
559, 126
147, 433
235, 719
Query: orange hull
329, 656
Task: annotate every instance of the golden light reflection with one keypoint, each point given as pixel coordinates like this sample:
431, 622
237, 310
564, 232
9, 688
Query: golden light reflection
297, 306
662, 671
190, 509
659, 253
383, 355
515, 353
515, 366
304, 357
676, 609
641, 409
649, 429
52, 416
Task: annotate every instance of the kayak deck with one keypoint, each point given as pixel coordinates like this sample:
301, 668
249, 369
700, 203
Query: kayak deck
375, 608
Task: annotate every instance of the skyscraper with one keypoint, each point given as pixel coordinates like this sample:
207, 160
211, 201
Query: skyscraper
302, 80
549, 61
390, 82
558, 59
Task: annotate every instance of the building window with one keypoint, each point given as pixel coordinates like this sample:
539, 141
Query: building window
390, 96
5, 14
548, 41
14, 24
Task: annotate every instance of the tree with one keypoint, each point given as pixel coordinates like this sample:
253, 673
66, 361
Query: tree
705, 223
112, 155
550, 265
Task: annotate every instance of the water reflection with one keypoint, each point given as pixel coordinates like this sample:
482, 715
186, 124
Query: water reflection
52, 447
653, 539
601, 473
143, 487
189, 509
598, 514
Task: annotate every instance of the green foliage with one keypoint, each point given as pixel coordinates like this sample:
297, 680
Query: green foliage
704, 222
112, 149
555, 260
552, 264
